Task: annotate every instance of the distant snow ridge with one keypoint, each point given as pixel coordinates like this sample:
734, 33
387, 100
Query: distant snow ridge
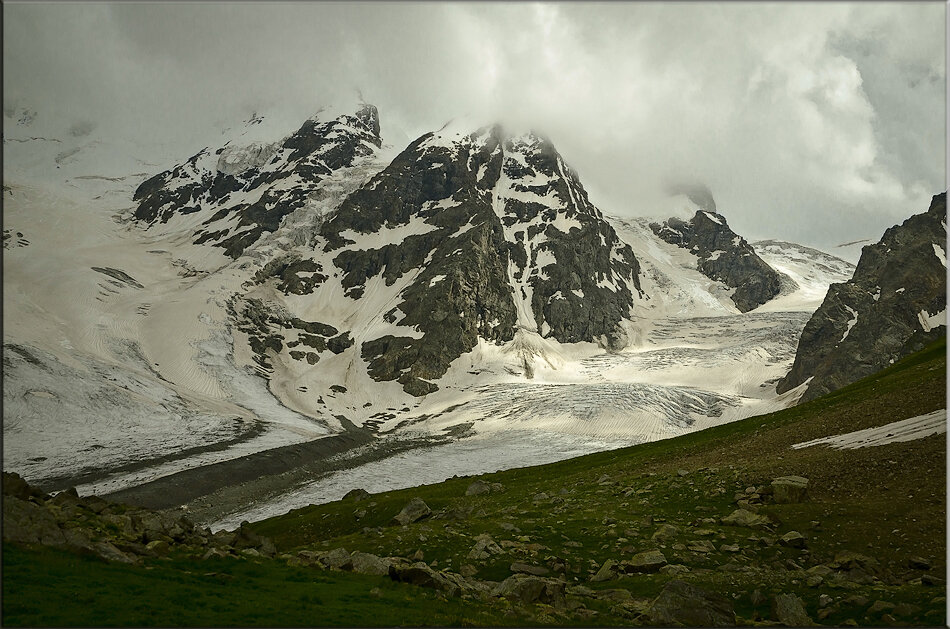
239, 192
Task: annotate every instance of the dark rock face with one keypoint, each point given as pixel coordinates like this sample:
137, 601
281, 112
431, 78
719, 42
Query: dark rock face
883, 313
488, 236
723, 256
484, 214
280, 179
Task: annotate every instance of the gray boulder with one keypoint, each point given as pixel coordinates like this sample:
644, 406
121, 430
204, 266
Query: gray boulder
607, 572
665, 532
477, 488
367, 563
538, 571
336, 559
414, 511
484, 547
743, 517
793, 539
29, 523
790, 489
646, 561
356, 495
680, 603
789, 610
526, 588
110, 553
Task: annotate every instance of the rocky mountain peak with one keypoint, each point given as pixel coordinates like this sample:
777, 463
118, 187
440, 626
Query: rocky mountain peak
724, 256
471, 234
894, 305
242, 190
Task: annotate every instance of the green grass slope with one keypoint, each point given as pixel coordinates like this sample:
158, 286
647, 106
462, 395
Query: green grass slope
887, 503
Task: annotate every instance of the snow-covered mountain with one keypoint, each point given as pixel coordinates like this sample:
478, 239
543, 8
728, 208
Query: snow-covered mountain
285, 284
895, 304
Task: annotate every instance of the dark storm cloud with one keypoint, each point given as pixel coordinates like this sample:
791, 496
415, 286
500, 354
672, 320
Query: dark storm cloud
814, 122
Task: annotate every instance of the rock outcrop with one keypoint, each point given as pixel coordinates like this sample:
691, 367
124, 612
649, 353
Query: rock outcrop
894, 305
113, 531
501, 239
724, 256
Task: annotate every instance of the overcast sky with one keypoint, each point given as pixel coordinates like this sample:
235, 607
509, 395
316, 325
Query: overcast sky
815, 122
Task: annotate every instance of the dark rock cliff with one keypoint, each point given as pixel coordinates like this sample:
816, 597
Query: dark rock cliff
885, 312
723, 256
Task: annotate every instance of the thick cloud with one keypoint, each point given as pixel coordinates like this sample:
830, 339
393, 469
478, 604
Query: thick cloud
819, 123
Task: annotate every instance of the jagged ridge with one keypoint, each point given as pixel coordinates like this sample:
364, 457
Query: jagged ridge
723, 256
893, 306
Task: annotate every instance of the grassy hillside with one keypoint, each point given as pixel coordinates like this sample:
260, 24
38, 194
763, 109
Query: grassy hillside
885, 505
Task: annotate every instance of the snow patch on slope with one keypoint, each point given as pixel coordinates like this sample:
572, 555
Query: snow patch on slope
934, 423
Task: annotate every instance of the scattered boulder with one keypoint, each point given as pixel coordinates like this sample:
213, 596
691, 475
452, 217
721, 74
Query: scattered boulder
918, 563
743, 517
646, 561
701, 546
680, 603
425, 576
879, 607
789, 610
855, 566
367, 563
29, 523
336, 559
526, 588
478, 488
793, 539
790, 489
607, 572
214, 553
414, 511
674, 568
110, 553
15, 486
665, 532
538, 571
484, 547
356, 494
159, 548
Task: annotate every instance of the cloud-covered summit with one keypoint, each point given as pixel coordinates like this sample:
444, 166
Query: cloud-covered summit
820, 123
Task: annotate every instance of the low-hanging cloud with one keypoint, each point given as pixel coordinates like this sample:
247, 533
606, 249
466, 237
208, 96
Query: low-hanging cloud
818, 123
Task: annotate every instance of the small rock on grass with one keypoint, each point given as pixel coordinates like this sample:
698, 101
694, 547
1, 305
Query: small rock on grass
607, 572
789, 610
744, 517
477, 488
647, 561
790, 489
793, 539
414, 511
